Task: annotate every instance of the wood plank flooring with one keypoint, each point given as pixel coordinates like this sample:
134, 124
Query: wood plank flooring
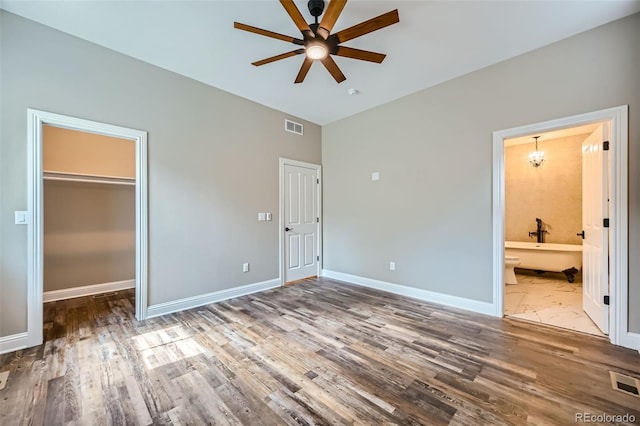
320, 352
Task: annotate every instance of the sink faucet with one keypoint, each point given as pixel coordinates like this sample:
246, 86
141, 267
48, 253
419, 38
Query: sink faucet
539, 232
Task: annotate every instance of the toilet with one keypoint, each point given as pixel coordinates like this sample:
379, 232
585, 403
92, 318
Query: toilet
510, 262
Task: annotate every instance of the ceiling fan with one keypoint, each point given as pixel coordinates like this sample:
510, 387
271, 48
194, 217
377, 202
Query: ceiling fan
317, 41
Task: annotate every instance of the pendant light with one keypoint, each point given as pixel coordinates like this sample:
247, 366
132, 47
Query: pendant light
536, 158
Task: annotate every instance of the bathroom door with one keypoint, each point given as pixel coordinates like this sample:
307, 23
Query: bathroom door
301, 222
595, 245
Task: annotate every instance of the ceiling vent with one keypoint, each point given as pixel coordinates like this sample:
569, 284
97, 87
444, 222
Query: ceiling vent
293, 127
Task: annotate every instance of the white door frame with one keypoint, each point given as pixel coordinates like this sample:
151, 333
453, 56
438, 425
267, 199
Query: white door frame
318, 169
35, 237
618, 212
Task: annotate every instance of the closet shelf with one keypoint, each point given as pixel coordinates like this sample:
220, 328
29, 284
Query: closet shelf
76, 177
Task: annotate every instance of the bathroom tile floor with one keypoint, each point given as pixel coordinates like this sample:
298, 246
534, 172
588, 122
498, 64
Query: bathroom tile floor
548, 299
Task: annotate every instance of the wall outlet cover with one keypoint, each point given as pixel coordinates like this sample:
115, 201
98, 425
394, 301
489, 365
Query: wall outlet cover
245, 267
392, 266
269, 216
21, 218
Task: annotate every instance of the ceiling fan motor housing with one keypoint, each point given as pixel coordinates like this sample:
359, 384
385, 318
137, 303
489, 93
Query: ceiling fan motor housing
316, 7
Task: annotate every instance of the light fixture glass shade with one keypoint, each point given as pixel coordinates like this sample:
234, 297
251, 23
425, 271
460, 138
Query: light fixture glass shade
536, 158
316, 51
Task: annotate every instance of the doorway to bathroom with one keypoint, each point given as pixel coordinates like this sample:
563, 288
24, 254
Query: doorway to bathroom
552, 182
560, 223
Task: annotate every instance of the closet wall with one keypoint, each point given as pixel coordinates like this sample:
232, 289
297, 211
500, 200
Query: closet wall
89, 217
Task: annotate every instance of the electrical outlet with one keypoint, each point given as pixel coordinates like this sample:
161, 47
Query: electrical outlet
21, 218
245, 267
392, 266
269, 216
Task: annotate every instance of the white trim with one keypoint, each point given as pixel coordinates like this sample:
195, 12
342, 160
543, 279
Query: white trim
416, 293
318, 169
630, 340
205, 299
36, 119
13, 342
87, 290
619, 282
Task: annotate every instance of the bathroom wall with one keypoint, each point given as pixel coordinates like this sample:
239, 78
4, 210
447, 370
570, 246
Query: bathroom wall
551, 192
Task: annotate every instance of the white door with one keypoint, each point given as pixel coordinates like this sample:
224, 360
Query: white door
301, 218
595, 246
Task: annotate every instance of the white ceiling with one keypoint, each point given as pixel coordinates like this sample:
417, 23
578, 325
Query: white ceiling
434, 41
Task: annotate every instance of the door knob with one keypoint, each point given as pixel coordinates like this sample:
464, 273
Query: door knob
288, 229
580, 234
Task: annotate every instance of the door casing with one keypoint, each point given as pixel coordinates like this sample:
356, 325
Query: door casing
318, 169
619, 333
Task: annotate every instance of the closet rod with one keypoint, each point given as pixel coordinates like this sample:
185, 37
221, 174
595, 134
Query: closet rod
70, 177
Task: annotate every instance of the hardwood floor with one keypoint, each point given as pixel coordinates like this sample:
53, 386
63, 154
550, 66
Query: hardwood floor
318, 352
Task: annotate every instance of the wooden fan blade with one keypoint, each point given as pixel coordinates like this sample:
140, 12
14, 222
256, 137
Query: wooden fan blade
278, 57
363, 55
330, 17
267, 33
297, 18
333, 69
366, 27
304, 69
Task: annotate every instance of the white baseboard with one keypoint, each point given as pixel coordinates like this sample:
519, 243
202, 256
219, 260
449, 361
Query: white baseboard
87, 290
205, 299
630, 340
416, 293
13, 342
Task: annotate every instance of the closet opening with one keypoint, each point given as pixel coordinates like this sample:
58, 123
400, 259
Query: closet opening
87, 230
89, 221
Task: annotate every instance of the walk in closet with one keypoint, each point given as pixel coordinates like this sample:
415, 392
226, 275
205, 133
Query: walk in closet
89, 213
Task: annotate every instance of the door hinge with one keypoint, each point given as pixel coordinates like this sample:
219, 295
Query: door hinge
318, 181
317, 220
318, 258
606, 300
605, 222
605, 146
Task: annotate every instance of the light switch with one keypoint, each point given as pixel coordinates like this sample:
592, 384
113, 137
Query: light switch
269, 216
245, 267
21, 218
375, 176
262, 216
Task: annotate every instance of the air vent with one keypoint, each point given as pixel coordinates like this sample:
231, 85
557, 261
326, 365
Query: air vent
626, 384
293, 127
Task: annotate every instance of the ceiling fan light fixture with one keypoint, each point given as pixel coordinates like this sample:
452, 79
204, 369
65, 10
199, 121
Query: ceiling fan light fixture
316, 50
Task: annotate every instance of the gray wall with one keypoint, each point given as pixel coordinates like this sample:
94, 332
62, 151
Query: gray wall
89, 234
213, 161
431, 210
